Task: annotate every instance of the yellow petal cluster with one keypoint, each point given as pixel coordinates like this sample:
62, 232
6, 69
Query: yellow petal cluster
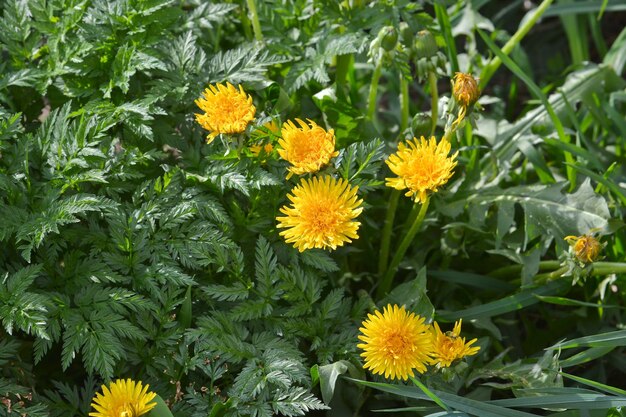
421, 166
450, 346
226, 110
586, 247
307, 147
465, 89
395, 343
321, 214
123, 398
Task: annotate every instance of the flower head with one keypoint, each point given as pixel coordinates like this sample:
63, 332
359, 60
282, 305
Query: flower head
307, 147
586, 247
226, 110
123, 398
321, 215
421, 166
465, 89
450, 346
395, 343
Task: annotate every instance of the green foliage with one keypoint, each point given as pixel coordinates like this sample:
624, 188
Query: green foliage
130, 248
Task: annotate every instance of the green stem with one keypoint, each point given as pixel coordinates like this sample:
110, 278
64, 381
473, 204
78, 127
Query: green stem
515, 269
606, 268
385, 284
434, 101
495, 62
404, 103
256, 25
387, 228
549, 276
344, 62
371, 101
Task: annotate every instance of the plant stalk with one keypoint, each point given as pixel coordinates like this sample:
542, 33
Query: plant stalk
256, 25
404, 103
387, 228
434, 101
371, 101
387, 280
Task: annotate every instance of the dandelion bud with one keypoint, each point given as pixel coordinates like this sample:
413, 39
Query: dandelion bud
388, 38
425, 44
465, 89
586, 248
421, 124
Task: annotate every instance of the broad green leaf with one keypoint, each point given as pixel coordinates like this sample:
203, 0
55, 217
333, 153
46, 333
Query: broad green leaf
161, 409
413, 295
616, 57
328, 375
547, 210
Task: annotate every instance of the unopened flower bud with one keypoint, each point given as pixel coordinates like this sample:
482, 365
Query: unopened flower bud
465, 89
586, 248
388, 38
421, 124
425, 44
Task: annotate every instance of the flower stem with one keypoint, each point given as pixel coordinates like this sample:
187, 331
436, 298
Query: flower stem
256, 25
344, 62
434, 101
371, 101
387, 228
385, 284
404, 103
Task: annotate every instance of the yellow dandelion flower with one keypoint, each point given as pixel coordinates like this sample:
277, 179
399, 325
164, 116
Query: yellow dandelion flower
395, 343
421, 166
123, 398
450, 346
307, 148
226, 110
321, 215
586, 247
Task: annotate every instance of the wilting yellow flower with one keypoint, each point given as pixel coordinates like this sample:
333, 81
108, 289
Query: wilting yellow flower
586, 247
321, 215
226, 110
465, 91
307, 148
395, 343
450, 346
123, 398
422, 166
